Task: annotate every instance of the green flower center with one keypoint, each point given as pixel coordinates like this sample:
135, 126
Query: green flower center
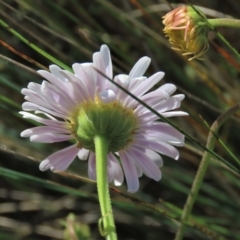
112, 120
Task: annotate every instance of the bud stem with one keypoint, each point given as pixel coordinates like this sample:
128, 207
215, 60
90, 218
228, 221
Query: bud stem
224, 22
101, 149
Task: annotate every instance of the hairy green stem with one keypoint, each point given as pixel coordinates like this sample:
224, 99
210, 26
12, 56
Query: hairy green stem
224, 22
101, 149
202, 170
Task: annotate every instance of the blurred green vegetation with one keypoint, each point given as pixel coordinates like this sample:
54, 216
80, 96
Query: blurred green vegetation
35, 205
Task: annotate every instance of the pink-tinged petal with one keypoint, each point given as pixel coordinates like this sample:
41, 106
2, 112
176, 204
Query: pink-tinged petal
165, 149
99, 65
44, 129
121, 80
88, 77
154, 157
174, 114
54, 80
161, 147
155, 95
50, 138
116, 170
52, 94
161, 107
59, 160
130, 172
148, 84
107, 96
83, 154
78, 90
80, 73
42, 120
46, 114
140, 67
166, 133
152, 117
168, 88
35, 87
92, 166
105, 53
26, 91
151, 99
28, 106
148, 166
180, 97
36, 98
143, 88
55, 70
135, 82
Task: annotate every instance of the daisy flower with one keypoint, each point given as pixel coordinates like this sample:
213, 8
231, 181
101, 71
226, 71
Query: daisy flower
84, 103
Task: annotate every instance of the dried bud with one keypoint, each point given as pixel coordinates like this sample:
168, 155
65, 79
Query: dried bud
187, 31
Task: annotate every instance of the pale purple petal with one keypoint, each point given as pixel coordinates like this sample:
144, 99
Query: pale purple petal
28, 106
44, 129
107, 96
140, 67
161, 147
154, 157
83, 154
50, 138
50, 93
36, 98
148, 84
161, 107
123, 81
148, 166
135, 82
164, 132
78, 89
143, 88
168, 88
116, 170
157, 95
92, 166
55, 70
151, 99
42, 120
88, 78
99, 65
130, 172
54, 80
46, 114
105, 53
60, 160
35, 87
174, 114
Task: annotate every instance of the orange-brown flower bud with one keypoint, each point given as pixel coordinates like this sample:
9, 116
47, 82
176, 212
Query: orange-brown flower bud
187, 31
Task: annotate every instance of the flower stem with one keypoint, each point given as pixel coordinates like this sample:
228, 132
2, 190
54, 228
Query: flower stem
224, 22
101, 149
202, 170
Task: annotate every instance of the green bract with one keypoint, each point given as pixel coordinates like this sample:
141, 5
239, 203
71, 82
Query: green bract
111, 120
